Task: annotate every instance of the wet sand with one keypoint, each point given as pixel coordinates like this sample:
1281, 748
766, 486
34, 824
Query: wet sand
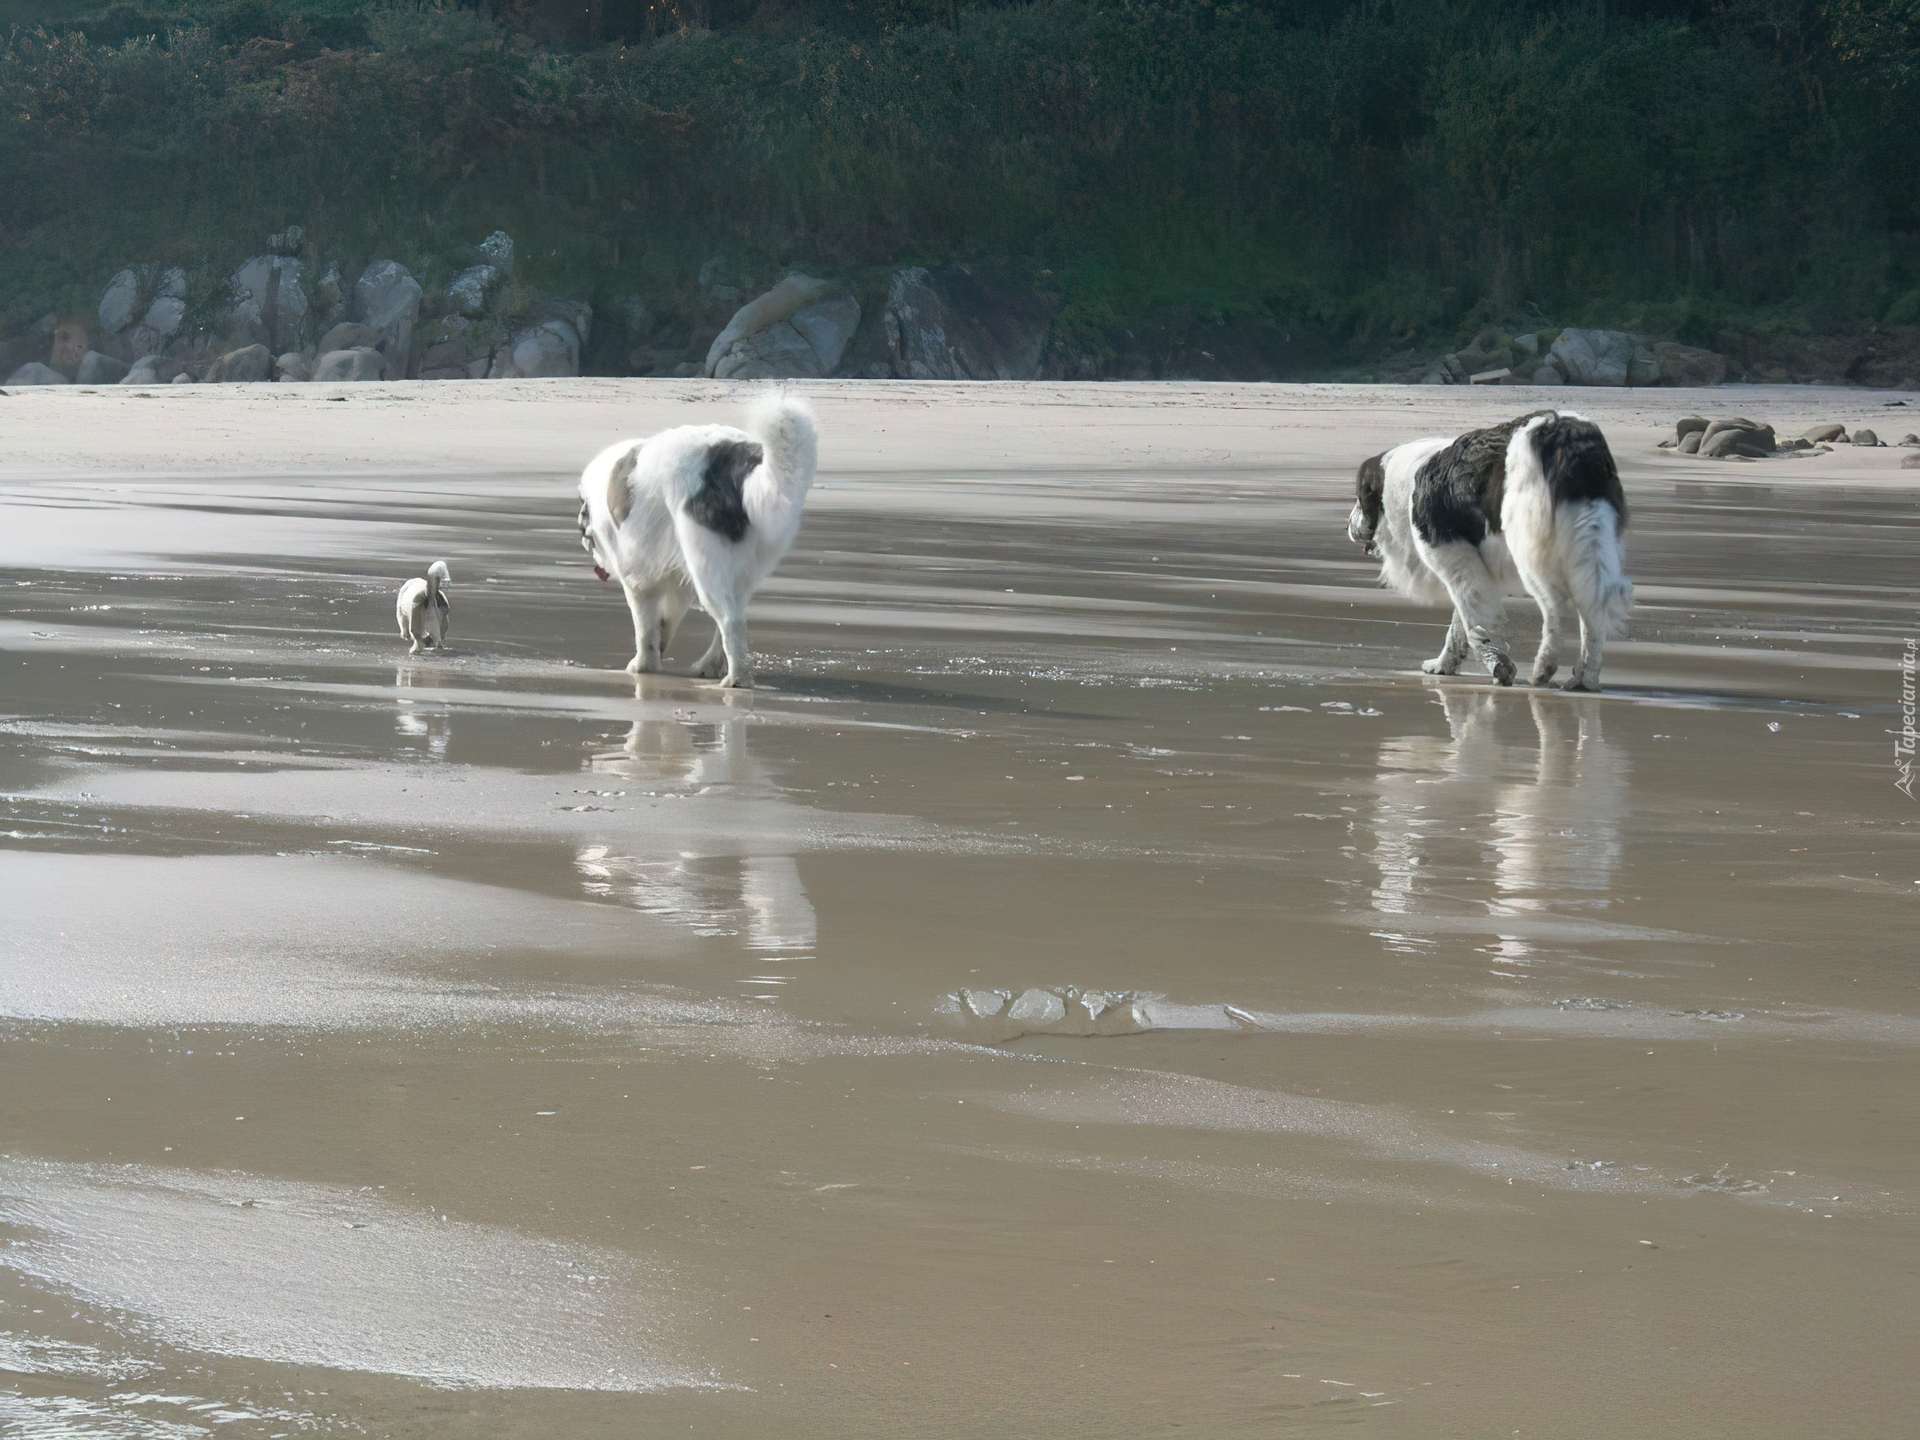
1095, 986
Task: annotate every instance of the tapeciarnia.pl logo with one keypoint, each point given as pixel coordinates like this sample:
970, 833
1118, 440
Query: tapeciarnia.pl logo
1903, 745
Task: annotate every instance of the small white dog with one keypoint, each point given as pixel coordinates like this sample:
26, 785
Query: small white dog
698, 517
1531, 505
422, 609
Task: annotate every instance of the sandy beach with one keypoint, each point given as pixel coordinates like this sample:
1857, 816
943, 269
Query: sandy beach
1095, 985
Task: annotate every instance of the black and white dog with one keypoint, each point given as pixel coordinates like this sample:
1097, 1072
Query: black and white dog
699, 516
1532, 505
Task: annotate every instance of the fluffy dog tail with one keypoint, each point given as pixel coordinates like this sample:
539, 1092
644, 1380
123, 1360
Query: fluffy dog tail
783, 424
1594, 565
1564, 509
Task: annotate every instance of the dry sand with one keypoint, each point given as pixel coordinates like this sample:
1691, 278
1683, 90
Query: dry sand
489, 1045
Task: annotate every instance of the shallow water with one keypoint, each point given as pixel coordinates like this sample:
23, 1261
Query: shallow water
1180, 1015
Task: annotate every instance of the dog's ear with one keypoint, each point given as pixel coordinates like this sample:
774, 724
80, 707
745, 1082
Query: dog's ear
620, 486
1370, 488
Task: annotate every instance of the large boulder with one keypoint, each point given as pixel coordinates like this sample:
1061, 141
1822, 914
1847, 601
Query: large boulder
268, 302
809, 344
98, 369
329, 297
1603, 357
153, 370
34, 373
249, 364
964, 322
141, 309
1684, 365
292, 368
350, 366
782, 302
349, 335
548, 350
473, 287
387, 300
458, 349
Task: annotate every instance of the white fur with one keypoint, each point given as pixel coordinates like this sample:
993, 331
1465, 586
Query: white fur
422, 609
1569, 559
668, 563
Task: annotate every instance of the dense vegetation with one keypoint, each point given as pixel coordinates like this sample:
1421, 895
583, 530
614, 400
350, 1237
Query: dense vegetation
1391, 171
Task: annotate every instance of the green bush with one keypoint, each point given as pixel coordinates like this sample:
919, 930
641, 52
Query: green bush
1389, 172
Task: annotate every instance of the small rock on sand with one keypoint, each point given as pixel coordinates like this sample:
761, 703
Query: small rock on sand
1819, 434
1865, 437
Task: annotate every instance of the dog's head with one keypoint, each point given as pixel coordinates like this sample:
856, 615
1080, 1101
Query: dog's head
1369, 503
586, 541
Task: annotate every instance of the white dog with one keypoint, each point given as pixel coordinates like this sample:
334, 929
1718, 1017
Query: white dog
422, 609
699, 516
1532, 505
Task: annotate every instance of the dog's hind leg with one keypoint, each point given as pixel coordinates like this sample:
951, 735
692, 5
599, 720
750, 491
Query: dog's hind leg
1593, 644
1556, 617
1452, 650
1476, 601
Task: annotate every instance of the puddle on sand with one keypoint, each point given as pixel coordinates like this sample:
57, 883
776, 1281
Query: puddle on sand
1094, 975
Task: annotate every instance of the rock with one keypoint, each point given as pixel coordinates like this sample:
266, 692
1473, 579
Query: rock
1821, 434
1732, 441
1686, 427
458, 349
34, 373
782, 302
183, 378
153, 370
498, 248
1690, 442
549, 349
1736, 423
964, 322
1528, 343
387, 300
119, 301
1910, 462
1593, 357
778, 352
1038, 1006
98, 369
1547, 373
329, 297
269, 303
1865, 437
292, 368
359, 364
348, 335
1910, 439
1435, 376
473, 287
69, 345
287, 241
1684, 365
248, 365
829, 328
163, 317
985, 1003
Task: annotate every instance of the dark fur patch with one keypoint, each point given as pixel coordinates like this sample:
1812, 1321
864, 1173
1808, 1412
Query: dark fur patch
1370, 491
619, 490
1457, 494
1578, 464
717, 504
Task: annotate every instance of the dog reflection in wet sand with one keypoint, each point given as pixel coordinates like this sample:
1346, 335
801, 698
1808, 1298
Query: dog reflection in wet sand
1531, 505
698, 517
423, 611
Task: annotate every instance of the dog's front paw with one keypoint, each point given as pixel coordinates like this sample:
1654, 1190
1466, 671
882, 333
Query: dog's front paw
1503, 671
711, 669
1576, 684
742, 681
1439, 665
1543, 676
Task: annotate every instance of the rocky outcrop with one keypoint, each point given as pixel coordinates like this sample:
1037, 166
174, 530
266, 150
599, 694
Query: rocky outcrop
247, 365
386, 299
34, 373
790, 296
472, 289
142, 309
1577, 357
292, 368
153, 370
1737, 438
349, 335
98, 369
459, 349
353, 366
805, 343
963, 322
269, 308
547, 349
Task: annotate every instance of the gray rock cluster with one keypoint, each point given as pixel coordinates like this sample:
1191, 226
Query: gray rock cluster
1737, 438
1576, 357
273, 318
